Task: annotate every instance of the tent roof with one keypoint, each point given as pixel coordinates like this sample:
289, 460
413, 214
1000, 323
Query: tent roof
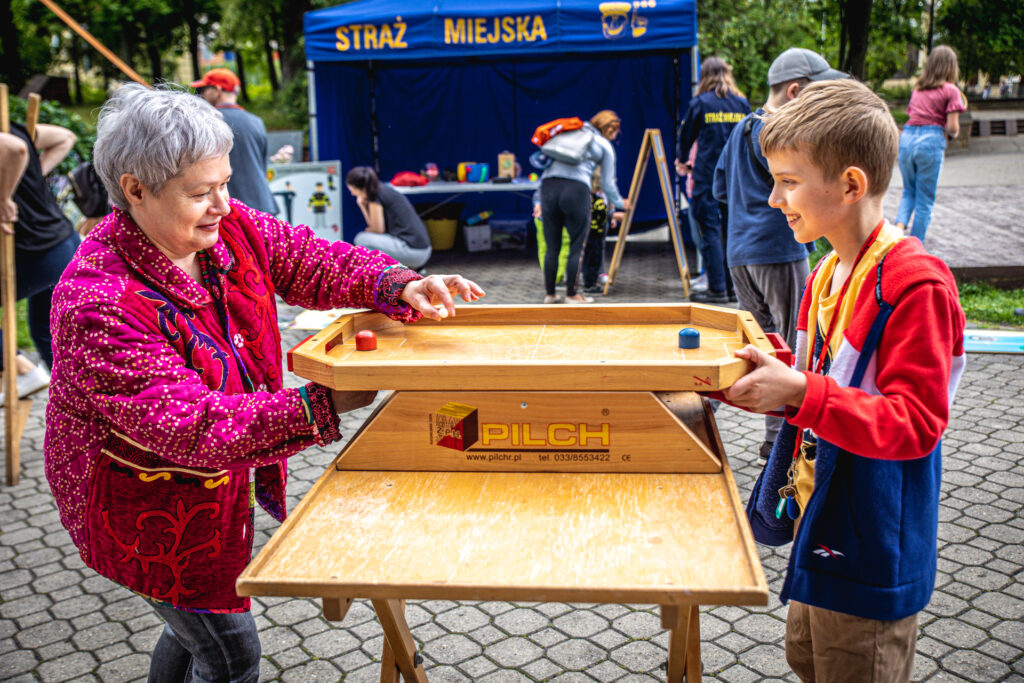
398, 29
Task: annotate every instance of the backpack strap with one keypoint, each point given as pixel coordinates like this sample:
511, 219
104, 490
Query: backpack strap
748, 127
875, 333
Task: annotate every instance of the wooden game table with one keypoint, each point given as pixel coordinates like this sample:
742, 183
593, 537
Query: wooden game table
529, 453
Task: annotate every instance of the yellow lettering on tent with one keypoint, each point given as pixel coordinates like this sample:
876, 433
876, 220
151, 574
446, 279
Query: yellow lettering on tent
400, 38
508, 29
385, 36
454, 31
370, 36
522, 25
538, 29
480, 33
343, 43
494, 36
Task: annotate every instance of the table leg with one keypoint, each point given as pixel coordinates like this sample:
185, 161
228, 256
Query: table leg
389, 672
694, 668
392, 619
335, 609
677, 620
683, 624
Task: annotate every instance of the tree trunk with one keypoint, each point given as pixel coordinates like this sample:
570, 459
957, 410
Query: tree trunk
244, 94
188, 8
293, 61
76, 61
271, 66
857, 27
155, 66
10, 49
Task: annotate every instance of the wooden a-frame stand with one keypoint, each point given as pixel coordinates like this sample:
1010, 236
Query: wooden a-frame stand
651, 143
15, 410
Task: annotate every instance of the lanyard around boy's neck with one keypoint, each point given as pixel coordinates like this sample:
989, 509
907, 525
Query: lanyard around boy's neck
817, 368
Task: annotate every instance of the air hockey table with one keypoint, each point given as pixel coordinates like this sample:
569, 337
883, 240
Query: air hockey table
526, 453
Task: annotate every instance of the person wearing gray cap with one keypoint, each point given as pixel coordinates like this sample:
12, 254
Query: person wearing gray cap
767, 265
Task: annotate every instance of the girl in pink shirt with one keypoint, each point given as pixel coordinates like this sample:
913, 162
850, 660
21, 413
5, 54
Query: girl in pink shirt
934, 111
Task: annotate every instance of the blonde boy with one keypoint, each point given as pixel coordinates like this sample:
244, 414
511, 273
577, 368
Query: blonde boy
880, 353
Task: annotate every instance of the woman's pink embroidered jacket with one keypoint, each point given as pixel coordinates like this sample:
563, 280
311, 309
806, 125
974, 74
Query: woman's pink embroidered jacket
152, 434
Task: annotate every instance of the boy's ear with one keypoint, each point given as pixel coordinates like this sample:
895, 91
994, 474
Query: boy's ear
792, 90
855, 184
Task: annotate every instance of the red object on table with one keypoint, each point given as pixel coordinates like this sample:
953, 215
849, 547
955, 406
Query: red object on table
366, 340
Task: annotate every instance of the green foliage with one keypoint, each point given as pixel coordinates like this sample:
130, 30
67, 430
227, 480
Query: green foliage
24, 338
821, 250
53, 113
983, 303
988, 36
749, 34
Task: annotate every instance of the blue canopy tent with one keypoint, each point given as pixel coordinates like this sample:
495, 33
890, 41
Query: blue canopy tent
396, 84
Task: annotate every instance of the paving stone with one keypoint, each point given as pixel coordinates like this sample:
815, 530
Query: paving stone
67, 668
521, 621
513, 652
312, 672
452, 649
487, 635
44, 634
638, 625
575, 654
463, 618
330, 644
477, 667
580, 623
17, 662
28, 605
975, 666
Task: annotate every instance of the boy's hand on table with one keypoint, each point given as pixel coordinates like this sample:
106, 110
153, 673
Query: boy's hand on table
769, 385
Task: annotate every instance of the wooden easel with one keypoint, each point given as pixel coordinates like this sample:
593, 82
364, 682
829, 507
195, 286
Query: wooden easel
651, 142
15, 410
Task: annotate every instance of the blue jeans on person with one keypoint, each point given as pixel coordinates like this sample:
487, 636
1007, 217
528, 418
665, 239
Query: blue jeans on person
203, 648
921, 151
37, 273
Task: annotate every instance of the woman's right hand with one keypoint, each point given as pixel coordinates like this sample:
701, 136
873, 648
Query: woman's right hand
345, 401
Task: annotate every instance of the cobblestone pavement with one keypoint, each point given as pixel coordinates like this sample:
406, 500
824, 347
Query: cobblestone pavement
59, 621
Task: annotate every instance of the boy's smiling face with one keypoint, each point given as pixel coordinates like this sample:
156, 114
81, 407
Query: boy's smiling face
813, 204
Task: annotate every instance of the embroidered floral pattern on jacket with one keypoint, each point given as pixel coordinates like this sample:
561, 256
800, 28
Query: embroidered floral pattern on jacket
157, 414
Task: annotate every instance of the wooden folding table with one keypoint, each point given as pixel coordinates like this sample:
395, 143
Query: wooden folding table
528, 453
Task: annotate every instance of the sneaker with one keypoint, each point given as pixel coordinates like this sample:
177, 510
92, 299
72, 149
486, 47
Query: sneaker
552, 299
602, 278
732, 297
594, 289
699, 284
579, 299
32, 381
709, 297
766, 450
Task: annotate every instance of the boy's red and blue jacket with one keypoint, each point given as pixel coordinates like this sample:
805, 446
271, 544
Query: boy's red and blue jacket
866, 544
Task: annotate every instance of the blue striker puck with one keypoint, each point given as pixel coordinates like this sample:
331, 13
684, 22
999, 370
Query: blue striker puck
689, 338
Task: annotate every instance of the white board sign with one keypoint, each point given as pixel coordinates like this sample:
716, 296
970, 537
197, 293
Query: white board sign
309, 194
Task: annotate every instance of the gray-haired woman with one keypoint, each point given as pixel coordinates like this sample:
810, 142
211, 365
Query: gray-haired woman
167, 414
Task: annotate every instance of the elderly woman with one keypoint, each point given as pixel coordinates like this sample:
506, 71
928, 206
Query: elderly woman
167, 419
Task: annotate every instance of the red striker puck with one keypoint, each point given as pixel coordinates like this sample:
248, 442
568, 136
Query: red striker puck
366, 340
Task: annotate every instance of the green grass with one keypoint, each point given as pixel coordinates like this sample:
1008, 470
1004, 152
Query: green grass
24, 340
988, 306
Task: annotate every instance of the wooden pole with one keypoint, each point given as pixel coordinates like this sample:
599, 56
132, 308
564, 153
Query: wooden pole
89, 38
15, 410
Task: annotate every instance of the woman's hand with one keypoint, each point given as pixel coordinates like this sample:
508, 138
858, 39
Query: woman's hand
627, 204
770, 385
8, 214
536, 211
436, 290
344, 401
618, 217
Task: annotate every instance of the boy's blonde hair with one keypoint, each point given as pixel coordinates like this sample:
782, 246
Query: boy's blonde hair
837, 124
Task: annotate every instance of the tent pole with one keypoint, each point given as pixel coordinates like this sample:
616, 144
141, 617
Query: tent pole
314, 142
374, 127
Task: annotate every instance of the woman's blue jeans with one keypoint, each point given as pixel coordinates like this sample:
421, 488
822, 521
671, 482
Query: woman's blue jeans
921, 151
204, 648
